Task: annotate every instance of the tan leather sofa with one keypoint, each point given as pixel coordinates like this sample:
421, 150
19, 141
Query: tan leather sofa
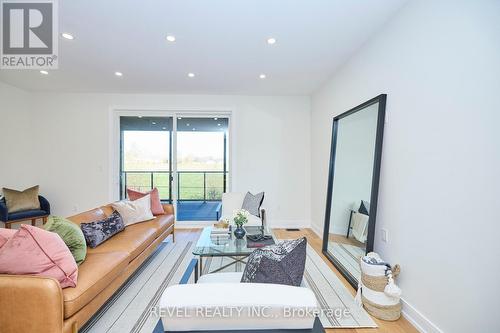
39, 305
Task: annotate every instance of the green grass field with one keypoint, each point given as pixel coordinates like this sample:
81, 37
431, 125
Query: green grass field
191, 185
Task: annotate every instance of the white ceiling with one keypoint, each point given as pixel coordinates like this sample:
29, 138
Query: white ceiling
222, 41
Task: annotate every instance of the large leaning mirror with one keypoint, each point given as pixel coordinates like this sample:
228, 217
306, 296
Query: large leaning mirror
351, 205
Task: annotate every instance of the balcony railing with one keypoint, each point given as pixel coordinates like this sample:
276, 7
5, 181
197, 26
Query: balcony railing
191, 185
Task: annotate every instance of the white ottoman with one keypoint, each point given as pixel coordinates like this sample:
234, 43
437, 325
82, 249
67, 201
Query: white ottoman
229, 277
211, 305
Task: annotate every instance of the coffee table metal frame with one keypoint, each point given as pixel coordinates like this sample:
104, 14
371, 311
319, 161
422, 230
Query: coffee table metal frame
233, 248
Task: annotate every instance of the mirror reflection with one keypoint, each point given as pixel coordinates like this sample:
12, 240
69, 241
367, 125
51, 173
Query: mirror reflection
353, 168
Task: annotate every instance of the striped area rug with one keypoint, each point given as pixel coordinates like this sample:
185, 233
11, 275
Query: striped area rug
129, 309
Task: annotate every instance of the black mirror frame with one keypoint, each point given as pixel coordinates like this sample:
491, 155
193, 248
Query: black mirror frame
381, 99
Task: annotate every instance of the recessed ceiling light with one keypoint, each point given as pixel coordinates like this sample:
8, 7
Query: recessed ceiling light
218, 124
191, 74
187, 124
216, 118
194, 129
271, 41
164, 128
153, 123
171, 38
44, 72
262, 76
179, 118
139, 116
67, 36
118, 73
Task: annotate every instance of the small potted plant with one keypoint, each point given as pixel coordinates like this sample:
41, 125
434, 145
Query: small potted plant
240, 217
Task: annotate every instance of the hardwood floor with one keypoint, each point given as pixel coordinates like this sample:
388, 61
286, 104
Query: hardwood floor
399, 326
344, 240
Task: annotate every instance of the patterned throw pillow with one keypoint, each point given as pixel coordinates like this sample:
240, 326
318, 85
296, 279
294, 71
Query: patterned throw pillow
98, 232
282, 263
252, 203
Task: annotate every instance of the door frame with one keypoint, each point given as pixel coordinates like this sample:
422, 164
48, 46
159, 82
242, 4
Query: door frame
115, 145
170, 155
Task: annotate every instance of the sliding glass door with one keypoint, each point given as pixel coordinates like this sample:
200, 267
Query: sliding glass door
185, 157
201, 166
146, 155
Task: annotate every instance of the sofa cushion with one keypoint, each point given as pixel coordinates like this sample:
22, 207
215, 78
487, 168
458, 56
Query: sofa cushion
27, 214
133, 240
161, 223
202, 307
231, 201
225, 277
89, 216
34, 251
95, 273
108, 209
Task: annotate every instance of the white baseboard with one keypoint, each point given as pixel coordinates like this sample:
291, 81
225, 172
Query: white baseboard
418, 320
317, 231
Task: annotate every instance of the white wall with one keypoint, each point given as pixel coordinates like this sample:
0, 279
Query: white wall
271, 142
15, 139
439, 63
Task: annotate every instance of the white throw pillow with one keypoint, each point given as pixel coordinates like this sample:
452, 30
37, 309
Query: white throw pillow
134, 211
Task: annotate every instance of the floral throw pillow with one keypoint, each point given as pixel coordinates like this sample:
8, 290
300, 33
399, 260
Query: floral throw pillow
98, 232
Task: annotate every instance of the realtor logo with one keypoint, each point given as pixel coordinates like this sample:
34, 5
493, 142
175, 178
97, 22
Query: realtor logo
29, 34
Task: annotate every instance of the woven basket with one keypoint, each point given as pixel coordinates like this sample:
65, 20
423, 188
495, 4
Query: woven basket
378, 283
387, 312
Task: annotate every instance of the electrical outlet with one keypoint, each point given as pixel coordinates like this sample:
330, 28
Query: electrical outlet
385, 235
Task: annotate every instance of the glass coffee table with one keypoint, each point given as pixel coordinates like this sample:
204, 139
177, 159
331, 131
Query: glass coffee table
236, 249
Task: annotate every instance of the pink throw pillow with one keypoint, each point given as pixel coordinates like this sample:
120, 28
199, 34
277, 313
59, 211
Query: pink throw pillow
156, 207
5, 235
34, 251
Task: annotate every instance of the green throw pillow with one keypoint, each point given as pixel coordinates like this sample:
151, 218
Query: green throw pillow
70, 234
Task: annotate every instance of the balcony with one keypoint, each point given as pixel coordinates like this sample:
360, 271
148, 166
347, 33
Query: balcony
199, 193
